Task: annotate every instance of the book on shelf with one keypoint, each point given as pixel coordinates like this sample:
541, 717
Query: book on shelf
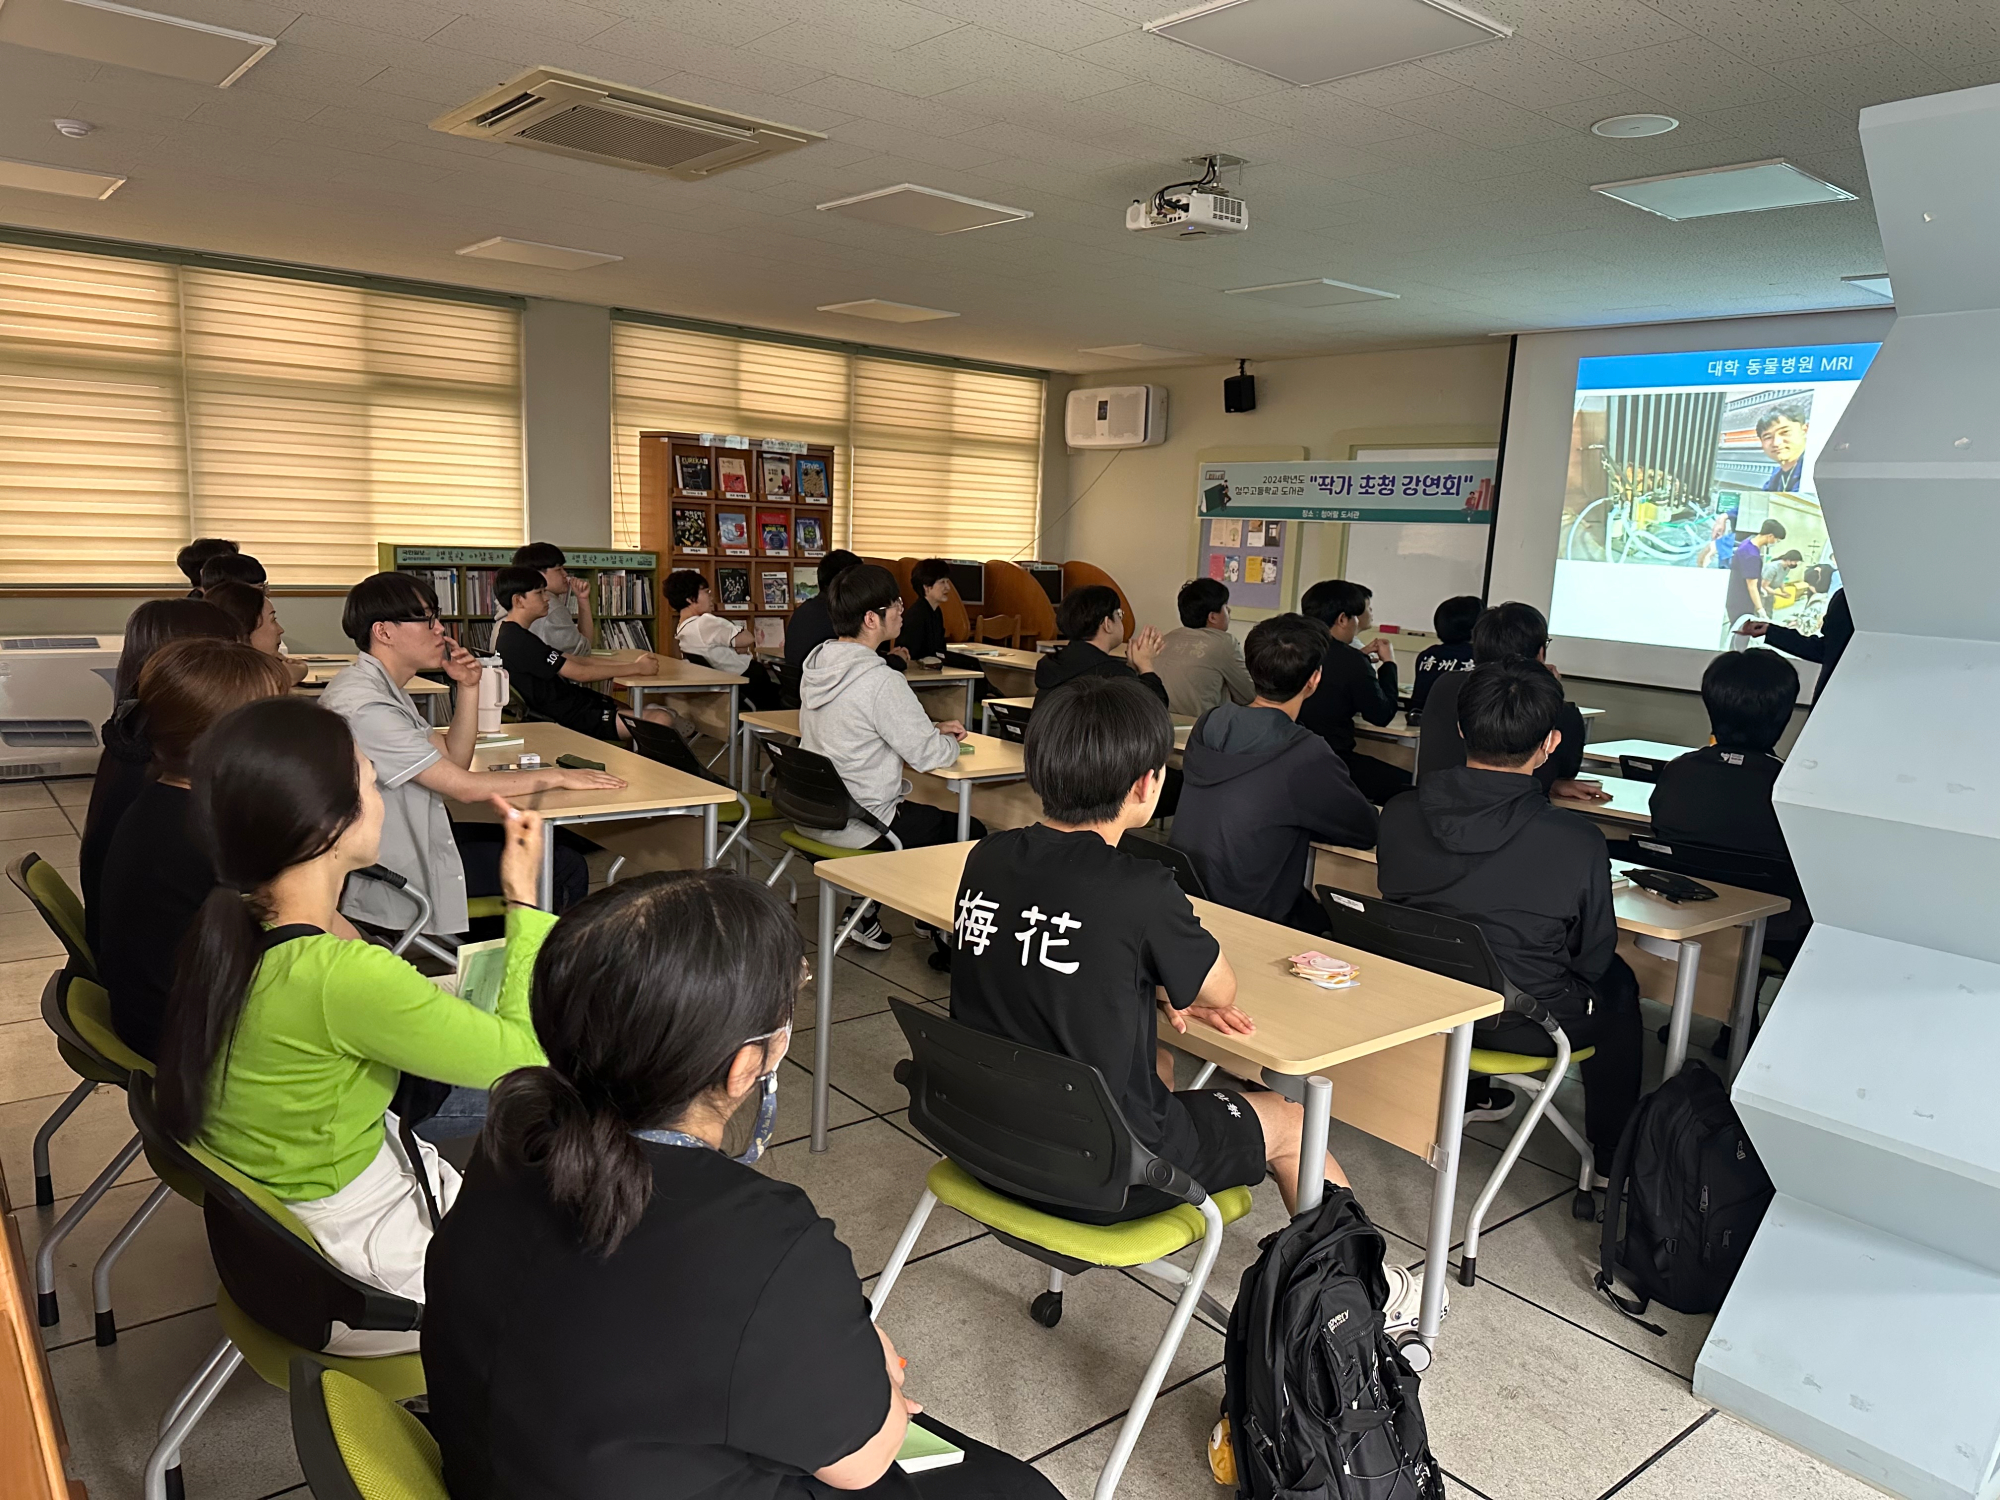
813, 485
691, 473
479, 599
769, 632
732, 477
805, 585
690, 528
810, 533
625, 635
478, 637
732, 588
774, 532
732, 532
777, 475
620, 592
444, 584
777, 590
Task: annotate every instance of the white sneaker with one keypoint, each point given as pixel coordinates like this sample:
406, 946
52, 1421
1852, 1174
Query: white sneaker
868, 931
1406, 1298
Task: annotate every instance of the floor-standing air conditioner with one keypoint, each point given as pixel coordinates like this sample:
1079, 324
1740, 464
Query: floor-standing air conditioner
55, 690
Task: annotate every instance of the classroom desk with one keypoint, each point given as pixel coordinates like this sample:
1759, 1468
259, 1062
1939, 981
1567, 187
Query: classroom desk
1403, 1035
1656, 926
986, 761
1630, 807
1183, 723
1400, 731
651, 791
678, 676
919, 676
1650, 749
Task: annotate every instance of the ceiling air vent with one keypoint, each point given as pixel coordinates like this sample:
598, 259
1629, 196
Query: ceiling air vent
621, 127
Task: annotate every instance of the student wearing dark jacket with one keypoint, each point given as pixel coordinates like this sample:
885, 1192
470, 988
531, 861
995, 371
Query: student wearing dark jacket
923, 622
1826, 648
1353, 680
1453, 621
1260, 788
1092, 621
1481, 843
810, 623
1507, 632
1720, 795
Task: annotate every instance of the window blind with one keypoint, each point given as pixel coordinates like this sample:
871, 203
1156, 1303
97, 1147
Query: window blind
928, 459
143, 403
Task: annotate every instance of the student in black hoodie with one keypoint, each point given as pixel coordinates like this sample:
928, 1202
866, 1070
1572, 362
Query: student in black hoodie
922, 634
1453, 621
1092, 621
1354, 679
1507, 632
1480, 842
810, 623
1720, 795
1260, 787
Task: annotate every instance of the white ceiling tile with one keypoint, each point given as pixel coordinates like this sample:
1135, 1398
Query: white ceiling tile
1316, 112
253, 16
725, 21
1584, 29
802, 46
385, 49
416, 19
871, 102
1140, 54
944, 151
1385, 86
891, 23
981, 53
1294, 149
519, 49
1694, 75
1445, 156
807, 109
1061, 24
1522, 73
1477, 118
1772, 31
564, 20
1850, 80
650, 51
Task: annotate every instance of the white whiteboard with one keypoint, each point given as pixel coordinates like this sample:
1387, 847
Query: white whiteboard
1413, 569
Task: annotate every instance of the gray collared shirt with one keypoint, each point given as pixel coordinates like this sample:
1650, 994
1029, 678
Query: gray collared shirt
416, 830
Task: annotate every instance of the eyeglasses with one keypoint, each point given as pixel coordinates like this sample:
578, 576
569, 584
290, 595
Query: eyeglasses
428, 617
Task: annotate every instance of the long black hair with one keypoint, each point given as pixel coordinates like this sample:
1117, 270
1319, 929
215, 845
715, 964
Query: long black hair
642, 995
275, 784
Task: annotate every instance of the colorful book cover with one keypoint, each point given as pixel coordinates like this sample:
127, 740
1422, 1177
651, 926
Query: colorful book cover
777, 469
734, 475
1217, 566
690, 528
732, 587
732, 532
691, 473
769, 632
777, 591
810, 534
813, 483
774, 531
805, 585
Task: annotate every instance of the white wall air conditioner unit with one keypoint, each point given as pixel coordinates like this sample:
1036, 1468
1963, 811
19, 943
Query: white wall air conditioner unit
1117, 416
54, 693
550, 110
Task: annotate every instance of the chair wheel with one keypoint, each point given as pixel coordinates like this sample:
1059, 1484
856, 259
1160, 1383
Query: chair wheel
1416, 1353
1046, 1309
1583, 1206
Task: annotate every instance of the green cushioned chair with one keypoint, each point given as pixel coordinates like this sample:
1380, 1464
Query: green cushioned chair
280, 1297
1457, 950
1017, 1124
355, 1443
58, 905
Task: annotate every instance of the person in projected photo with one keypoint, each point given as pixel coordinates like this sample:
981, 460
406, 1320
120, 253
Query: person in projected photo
1781, 433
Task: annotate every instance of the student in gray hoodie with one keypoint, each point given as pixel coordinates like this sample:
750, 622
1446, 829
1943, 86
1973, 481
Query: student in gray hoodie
1260, 788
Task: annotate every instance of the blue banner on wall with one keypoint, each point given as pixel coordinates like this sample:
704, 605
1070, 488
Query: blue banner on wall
1700, 369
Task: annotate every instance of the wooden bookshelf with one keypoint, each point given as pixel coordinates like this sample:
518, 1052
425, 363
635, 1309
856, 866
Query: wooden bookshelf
753, 516
624, 590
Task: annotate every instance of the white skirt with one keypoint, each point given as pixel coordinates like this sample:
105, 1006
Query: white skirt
378, 1229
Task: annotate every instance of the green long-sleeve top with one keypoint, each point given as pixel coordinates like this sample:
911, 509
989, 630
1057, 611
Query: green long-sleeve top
330, 1024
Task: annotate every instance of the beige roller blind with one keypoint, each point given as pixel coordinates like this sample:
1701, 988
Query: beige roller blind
677, 380
947, 462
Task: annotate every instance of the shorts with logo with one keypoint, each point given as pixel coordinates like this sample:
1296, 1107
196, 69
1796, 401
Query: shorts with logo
1229, 1152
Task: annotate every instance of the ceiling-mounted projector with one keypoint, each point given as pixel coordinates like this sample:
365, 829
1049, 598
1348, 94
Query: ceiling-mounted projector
1188, 210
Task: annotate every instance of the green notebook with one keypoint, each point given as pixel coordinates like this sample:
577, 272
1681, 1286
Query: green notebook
926, 1450
482, 969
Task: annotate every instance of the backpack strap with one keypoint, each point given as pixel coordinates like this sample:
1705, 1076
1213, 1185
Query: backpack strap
1607, 1252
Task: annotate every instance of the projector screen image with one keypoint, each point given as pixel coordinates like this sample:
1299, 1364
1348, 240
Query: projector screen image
1690, 500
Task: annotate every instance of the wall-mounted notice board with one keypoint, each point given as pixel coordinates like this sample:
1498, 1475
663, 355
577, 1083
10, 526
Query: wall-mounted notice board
1248, 554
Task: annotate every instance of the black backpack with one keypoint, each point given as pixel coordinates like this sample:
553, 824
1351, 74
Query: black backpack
1319, 1401
1693, 1192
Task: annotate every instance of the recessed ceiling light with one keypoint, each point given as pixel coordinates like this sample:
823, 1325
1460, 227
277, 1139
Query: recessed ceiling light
1747, 187
908, 206
1317, 41
102, 32
1876, 282
1631, 127
1151, 354
533, 253
1319, 291
886, 312
33, 177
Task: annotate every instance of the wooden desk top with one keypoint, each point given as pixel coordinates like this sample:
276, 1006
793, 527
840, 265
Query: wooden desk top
675, 673
1300, 1028
1001, 656
1651, 749
1631, 801
1640, 911
922, 676
990, 758
649, 786
1399, 729
318, 676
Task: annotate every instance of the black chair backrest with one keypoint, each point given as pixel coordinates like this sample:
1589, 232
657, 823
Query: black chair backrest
807, 789
1640, 767
1032, 1124
1754, 872
1010, 721
1450, 946
1186, 875
663, 743
699, 661
788, 678
279, 1280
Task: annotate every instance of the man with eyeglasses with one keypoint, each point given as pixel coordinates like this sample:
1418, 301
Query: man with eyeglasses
392, 619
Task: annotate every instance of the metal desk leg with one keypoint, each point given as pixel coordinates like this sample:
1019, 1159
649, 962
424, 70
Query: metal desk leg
708, 835
1444, 1159
1743, 1017
825, 958
638, 697
970, 699
1687, 970
545, 892
1311, 1185
735, 708
985, 718
964, 811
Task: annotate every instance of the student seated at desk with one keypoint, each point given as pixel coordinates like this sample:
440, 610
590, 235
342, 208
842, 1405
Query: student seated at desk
192, 558
923, 635
1354, 680
232, 567
567, 626
810, 623
393, 621
1201, 663
1720, 795
1062, 941
1260, 788
620, 1308
1091, 622
1453, 621
284, 1042
158, 870
1481, 843
1508, 632
549, 682
718, 642
256, 620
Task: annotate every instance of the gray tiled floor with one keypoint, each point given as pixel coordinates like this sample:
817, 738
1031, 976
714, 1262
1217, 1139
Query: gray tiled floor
1539, 1392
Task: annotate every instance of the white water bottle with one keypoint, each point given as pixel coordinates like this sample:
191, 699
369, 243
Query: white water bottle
493, 693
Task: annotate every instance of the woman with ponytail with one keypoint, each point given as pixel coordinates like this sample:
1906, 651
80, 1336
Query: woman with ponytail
284, 1042
620, 1307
